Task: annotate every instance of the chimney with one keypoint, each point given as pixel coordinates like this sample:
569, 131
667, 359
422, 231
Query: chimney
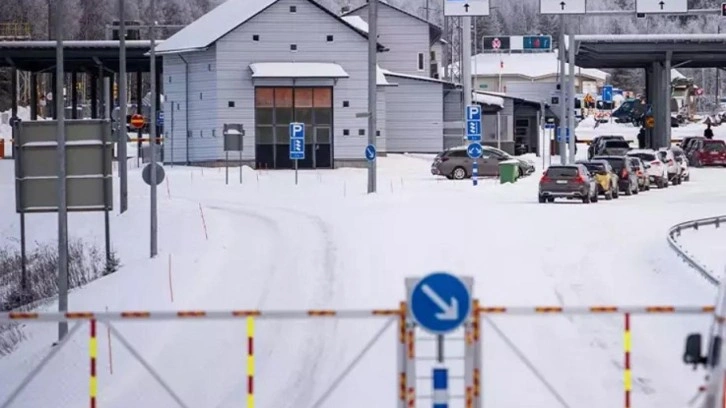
344, 9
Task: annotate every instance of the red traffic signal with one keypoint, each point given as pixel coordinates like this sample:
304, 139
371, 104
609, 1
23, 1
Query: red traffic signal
723, 9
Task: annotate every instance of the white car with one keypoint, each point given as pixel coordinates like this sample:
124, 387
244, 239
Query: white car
674, 168
682, 160
657, 170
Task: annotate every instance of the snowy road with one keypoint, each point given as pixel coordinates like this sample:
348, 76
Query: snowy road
325, 244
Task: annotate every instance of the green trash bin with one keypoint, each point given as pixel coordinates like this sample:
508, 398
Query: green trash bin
508, 171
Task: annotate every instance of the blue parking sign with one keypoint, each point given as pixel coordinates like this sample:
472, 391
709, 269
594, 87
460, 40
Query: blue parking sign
297, 141
473, 112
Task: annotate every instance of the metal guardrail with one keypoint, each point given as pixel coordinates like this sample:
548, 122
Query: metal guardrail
689, 258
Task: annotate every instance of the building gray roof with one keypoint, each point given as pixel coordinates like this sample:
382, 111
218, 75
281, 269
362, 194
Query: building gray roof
209, 28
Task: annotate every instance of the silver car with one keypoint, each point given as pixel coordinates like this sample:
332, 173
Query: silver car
456, 164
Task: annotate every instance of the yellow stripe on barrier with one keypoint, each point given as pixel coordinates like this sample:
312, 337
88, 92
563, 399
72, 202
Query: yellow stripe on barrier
93, 347
250, 362
627, 341
250, 326
93, 386
250, 365
628, 378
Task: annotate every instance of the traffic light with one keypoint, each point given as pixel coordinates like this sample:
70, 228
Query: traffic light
537, 42
723, 9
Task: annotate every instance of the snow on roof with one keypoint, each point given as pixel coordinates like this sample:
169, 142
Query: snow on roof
529, 65
212, 26
297, 70
386, 3
488, 99
357, 22
209, 28
417, 77
381, 78
362, 25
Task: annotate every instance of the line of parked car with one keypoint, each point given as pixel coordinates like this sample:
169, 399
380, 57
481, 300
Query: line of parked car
614, 168
455, 163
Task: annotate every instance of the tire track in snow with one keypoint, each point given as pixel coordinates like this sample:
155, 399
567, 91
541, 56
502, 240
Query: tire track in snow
312, 365
315, 341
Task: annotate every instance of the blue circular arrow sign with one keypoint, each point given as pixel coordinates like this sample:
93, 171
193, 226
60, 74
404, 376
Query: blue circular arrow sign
370, 152
474, 150
440, 303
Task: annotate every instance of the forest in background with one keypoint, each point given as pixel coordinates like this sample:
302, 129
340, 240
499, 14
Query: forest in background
87, 20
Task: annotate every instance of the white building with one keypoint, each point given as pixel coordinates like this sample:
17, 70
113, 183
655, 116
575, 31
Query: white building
508, 72
266, 63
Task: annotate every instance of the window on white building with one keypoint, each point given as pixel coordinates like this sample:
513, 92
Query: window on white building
420, 61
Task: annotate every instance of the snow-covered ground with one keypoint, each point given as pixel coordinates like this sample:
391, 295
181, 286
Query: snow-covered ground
326, 244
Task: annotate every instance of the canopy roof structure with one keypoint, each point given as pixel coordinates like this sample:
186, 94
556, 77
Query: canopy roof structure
641, 50
79, 56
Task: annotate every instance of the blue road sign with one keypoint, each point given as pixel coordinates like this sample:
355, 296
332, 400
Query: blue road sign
558, 133
160, 118
473, 123
607, 93
474, 150
297, 141
473, 130
440, 303
473, 112
537, 42
370, 152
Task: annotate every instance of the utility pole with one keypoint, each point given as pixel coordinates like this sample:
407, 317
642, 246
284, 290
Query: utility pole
445, 62
122, 132
563, 93
718, 76
152, 132
372, 68
571, 96
61, 157
466, 59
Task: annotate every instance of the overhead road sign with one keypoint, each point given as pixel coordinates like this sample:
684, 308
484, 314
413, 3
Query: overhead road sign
537, 42
440, 303
496, 43
464, 8
661, 6
562, 6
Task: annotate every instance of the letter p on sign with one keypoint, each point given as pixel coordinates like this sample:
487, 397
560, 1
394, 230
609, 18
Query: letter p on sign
297, 130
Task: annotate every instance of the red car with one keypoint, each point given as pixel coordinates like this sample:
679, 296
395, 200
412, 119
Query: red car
711, 153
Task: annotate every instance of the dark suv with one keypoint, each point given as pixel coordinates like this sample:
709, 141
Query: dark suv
628, 177
567, 181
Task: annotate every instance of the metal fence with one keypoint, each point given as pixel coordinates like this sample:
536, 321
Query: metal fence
675, 231
408, 336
